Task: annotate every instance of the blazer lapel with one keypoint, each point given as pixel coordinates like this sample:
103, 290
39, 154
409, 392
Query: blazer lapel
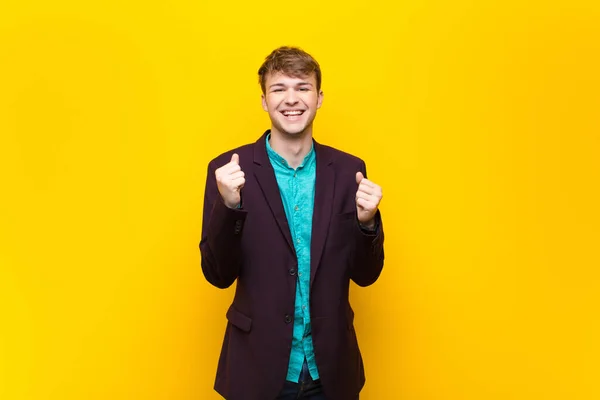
265, 176
324, 188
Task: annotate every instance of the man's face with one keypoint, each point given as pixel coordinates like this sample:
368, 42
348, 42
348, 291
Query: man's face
292, 103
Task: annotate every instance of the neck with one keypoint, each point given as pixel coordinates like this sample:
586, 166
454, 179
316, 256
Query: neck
293, 148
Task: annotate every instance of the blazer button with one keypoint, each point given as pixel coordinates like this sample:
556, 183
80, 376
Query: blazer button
238, 227
288, 318
293, 271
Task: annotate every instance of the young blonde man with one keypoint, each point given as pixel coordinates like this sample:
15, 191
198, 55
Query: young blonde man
293, 221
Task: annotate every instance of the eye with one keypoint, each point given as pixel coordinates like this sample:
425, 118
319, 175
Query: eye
304, 89
277, 90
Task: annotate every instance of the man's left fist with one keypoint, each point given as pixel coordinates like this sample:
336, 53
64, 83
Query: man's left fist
368, 197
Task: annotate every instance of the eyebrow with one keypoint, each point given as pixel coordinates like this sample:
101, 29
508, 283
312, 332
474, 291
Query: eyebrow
298, 84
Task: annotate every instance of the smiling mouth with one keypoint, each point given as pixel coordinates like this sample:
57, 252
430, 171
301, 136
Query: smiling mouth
292, 114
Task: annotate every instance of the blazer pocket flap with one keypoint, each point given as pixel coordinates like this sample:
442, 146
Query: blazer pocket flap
238, 319
346, 216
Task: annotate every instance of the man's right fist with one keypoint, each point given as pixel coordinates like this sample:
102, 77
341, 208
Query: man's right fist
230, 181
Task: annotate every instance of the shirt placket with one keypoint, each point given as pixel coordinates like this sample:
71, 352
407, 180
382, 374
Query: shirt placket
302, 276
300, 248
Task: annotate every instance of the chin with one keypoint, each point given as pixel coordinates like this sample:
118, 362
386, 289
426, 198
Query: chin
291, 130
295, 131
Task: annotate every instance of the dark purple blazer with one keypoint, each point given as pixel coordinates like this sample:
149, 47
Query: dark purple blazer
253, 244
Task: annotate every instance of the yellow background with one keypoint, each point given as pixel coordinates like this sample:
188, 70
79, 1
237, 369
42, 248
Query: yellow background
480, 120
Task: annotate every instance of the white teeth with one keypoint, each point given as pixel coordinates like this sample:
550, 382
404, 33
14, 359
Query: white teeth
286, 113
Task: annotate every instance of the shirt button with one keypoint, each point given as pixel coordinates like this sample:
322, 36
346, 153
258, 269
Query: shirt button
299, 273
288, 318
296, 208
292, 271
298, 240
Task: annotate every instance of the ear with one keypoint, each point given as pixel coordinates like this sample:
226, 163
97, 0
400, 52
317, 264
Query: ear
320, 99
263, 99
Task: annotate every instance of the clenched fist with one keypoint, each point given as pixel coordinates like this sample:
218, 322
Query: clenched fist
368, 197
230, 181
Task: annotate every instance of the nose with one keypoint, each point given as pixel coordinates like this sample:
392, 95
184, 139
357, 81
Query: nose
291, 97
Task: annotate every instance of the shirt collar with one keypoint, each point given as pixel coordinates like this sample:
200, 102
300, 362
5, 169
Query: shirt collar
276, 158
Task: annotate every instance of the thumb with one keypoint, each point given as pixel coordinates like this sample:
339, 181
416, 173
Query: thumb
359, 177
235, 158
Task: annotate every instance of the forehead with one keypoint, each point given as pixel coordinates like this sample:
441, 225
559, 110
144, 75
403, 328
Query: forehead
280, 78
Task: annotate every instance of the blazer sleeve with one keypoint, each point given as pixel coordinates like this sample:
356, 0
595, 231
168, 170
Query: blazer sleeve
221, 241
369, 254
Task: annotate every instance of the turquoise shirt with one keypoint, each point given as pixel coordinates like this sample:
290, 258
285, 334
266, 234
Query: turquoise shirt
297, 188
